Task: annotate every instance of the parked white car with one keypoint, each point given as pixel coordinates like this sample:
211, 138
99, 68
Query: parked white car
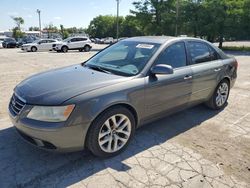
39, 45
73, 43
107, 40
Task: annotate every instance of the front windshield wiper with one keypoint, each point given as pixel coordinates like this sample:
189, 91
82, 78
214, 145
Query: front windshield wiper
98, 68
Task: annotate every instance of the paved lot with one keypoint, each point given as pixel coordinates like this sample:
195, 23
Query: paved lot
194, 148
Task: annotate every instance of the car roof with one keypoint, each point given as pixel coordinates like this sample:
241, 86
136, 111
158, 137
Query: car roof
160, 39
150, 39
77, 37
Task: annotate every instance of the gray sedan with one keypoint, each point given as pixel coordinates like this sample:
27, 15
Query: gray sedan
99, 104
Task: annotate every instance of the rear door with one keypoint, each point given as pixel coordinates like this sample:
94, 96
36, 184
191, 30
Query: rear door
49, 44
206, 66
81, 42
167, 92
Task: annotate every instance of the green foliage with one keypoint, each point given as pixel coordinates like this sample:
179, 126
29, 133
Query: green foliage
18, 21
34, 29
64, 33
17, 33
236, 48
103, 26
214, 20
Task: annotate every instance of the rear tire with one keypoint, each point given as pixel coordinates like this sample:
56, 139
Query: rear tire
219, 98
111, 132
33, 49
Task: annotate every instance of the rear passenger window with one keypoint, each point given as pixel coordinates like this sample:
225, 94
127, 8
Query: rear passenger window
199, 52
74, 40
50, 41
174, 55
214, 55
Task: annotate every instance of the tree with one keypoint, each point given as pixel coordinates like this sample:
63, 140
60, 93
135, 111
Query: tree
18, 21
64, 33
213, 20
34, 29
103, 26
130, 27
17, 33
50, 28
157, 17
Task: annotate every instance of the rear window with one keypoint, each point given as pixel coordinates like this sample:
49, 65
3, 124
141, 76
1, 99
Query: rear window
199, 52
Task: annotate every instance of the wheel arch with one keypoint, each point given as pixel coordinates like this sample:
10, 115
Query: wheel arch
122, 104
33, 47
64, 46
227, 79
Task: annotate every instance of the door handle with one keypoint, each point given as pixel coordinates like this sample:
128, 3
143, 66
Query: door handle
188, 77
217, 70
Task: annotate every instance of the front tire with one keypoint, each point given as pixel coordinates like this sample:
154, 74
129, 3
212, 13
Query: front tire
111, 132
87, 48
64, 49
219, 98
33, 49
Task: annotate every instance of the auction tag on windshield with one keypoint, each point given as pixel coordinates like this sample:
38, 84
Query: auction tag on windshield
147, 46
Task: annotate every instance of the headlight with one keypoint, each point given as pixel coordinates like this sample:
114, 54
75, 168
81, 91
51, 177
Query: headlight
51, 113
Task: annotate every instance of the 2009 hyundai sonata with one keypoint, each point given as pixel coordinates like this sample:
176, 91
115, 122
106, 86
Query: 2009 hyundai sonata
98, 104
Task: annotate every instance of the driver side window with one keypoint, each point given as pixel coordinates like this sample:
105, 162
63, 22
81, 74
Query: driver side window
174, 55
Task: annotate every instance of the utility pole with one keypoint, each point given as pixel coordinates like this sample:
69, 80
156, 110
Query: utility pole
117, 20
39, 15
177, 16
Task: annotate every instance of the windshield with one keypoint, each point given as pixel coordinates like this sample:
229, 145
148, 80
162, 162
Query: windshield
36, 41
66, 40
126, 58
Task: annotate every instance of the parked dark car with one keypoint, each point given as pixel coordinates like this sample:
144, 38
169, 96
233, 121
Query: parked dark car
99, 104
23, 41
9, 43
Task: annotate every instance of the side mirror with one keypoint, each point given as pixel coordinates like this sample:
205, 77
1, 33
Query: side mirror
162, 69
69, 41
39, 43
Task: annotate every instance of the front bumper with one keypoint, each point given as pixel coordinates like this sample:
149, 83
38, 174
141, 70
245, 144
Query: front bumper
57, 48
59, 137
25, 48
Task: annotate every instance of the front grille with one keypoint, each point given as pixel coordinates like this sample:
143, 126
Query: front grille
16, 104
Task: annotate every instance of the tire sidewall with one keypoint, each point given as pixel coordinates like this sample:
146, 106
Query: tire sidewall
66, 49
92, 137
33, 49
86, 48
215, 94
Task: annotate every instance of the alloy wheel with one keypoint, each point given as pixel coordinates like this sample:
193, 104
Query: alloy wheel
222, 94
114, 133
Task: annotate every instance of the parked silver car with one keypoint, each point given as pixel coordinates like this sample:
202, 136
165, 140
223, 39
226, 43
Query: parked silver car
39, 45
98, 104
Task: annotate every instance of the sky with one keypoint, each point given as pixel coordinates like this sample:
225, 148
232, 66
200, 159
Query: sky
70, 13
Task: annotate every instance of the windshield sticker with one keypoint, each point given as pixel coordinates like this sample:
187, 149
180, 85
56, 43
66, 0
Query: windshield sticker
147, 46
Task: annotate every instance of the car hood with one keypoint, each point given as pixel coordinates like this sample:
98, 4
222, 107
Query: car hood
61, 43
29, 44
56, 86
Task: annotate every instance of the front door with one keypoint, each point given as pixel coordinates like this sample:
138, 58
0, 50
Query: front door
166, 92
